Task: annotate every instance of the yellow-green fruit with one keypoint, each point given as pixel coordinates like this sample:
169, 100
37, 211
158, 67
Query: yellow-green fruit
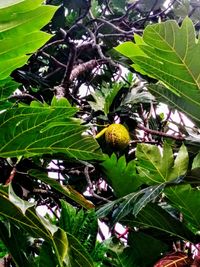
117, 136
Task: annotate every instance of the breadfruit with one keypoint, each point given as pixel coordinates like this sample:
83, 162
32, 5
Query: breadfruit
117, 136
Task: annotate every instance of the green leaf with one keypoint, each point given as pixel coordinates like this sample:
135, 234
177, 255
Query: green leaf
105, 97
78, 254
170, 54
32, 223
61, 245
95, 8
187, 200
69, 252
132, 203
163, 94
156, 218
67, 217
155, 168
38, 129
119, 4
138, 242
83, 225
47, 256
196, 161
12, 236
17, 201
138, 95
65, 190
20, 35
7, 87
121, 175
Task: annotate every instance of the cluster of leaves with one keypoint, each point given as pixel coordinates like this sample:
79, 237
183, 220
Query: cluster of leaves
53, 103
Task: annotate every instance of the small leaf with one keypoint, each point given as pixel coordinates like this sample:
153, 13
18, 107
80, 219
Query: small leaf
7, 87
83, 225
105, 97
196, 161
138, 95
67, 217
62, 246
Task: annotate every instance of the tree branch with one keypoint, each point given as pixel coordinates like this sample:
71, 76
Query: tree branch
150, 131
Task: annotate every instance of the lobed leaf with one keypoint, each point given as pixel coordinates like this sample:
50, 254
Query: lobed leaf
13, 210
104, 98
41, 129
20, 35
121, 175
156, 218
131, 203
187, 200
170, 54
155, 168
67, 191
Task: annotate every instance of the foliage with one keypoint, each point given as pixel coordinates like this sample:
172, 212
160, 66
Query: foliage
159, 54
68, 69
121, 175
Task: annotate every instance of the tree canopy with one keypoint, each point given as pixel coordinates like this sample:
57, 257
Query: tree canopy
68, 71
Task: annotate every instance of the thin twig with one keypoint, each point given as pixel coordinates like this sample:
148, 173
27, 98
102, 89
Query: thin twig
60, 64
90, 185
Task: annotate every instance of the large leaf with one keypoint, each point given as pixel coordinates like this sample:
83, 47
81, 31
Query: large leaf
138, 242
170, 54
47, 256
187, 200
67, 191
21, 214
7, 87
156, 218
20, 35
38, 129
156, 168
131, 203
121, 175
163, 94
11, 235
62, 246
